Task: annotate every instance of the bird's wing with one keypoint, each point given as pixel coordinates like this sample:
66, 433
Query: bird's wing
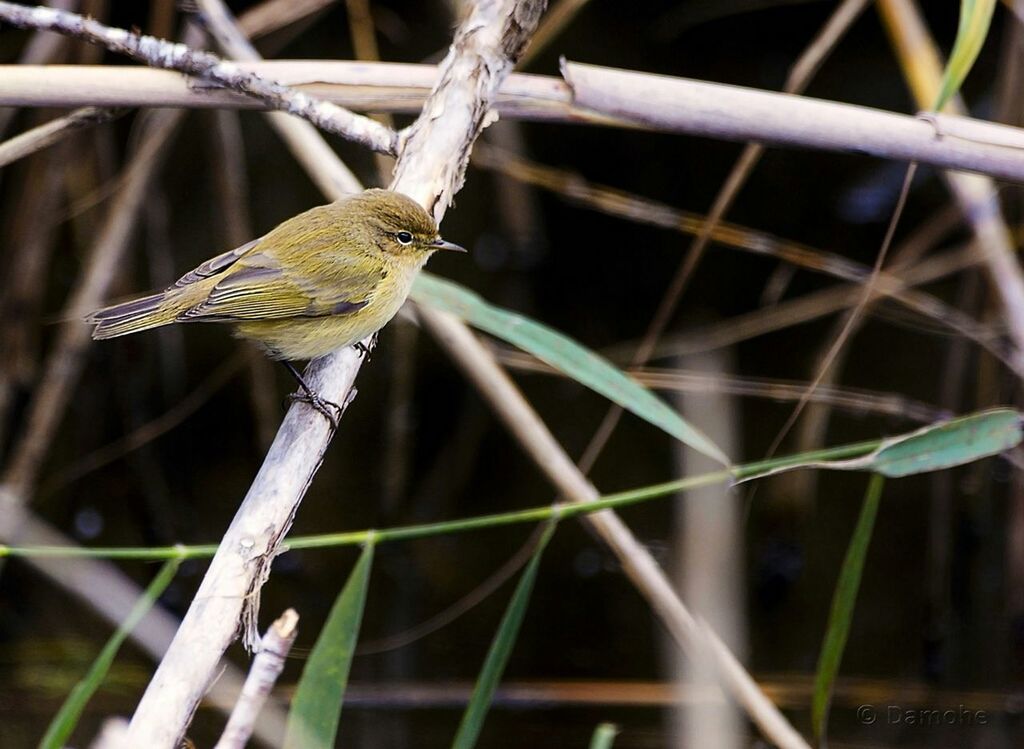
255, 286
215, 265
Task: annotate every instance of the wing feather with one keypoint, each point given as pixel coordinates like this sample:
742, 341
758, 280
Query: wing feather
255, 286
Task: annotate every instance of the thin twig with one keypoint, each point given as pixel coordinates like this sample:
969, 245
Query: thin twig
160, 53
266, 667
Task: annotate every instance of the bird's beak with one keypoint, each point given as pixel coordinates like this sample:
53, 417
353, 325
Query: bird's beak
440, 244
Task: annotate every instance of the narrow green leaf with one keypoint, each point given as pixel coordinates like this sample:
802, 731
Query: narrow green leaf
63, 724
500, 650
931, 448
604, 736
565, 355
843, 601
316, 707
952, 443
975, 19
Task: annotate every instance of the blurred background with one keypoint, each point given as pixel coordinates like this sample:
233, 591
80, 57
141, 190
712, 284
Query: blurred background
164, 432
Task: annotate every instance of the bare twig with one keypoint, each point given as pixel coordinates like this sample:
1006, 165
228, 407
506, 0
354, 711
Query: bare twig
210, 68
266, 667
331, 175
430, 168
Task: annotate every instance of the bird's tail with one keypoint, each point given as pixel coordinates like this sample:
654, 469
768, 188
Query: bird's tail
132, 317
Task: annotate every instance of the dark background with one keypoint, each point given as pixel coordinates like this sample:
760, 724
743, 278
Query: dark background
945, 621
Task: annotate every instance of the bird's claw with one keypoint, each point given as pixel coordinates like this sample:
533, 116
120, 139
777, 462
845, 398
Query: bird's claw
328, 409
364, 349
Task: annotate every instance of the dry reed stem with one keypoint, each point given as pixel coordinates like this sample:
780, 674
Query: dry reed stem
45, 135
272, 15
854, 400
206, 66
637, 562
42, 49
434, 153
677, 105
555, 21
65, 360
643, 210
810, 306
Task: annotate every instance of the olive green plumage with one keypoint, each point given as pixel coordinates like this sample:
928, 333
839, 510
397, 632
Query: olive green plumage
321, 280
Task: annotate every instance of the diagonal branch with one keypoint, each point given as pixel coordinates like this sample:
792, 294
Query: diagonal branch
551, 458
430, 168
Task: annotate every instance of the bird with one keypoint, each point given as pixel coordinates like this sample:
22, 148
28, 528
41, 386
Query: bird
327, 278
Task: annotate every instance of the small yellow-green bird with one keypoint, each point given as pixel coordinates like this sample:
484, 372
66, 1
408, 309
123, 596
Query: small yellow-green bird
321, 280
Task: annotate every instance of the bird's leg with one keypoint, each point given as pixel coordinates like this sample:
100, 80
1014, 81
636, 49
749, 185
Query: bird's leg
331, 411
365, 349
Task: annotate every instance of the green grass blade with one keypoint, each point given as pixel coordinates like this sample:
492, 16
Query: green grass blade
932, 448
950, 443
500, 650
316, 708
63, 724
843, 601
975, 19
604, 736
565, 355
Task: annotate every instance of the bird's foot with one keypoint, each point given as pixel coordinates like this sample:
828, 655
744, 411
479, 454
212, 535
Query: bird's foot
329, 409
365, 349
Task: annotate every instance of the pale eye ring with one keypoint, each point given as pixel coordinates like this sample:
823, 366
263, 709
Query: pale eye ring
404, 237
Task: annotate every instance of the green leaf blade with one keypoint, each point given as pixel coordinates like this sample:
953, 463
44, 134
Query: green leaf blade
604, 736
565, 355
500, 650
951, 443
843, 602
938, 446
316, 709
975, 20
66, 719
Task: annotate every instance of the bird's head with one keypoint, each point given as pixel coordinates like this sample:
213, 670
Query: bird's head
401, 226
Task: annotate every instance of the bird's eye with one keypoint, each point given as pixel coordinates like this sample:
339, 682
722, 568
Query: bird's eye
404, 237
